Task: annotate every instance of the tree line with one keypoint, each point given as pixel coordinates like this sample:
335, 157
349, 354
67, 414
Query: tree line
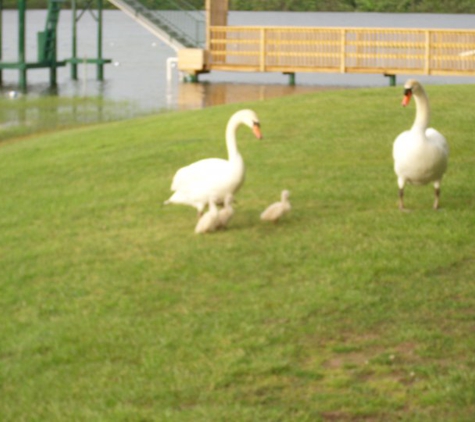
387, 6
393, 6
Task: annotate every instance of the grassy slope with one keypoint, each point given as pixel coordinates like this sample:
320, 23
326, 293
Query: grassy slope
113, 310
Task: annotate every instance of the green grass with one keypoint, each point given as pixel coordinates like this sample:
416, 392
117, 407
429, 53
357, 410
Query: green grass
112, 309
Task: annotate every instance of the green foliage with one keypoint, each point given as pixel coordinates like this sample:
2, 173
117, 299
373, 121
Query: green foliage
427, 6
399, 6
114, 310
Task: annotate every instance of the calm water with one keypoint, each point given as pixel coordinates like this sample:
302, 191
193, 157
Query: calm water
138, 72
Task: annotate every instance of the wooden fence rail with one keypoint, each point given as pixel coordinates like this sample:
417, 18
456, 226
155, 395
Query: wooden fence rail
351, 50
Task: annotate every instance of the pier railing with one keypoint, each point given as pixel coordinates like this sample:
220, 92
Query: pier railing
351, 50
179, 25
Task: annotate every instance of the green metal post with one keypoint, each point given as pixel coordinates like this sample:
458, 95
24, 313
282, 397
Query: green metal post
74, 65
100, 65
21, 43
53, 69
392, 79
52, 73
291, 79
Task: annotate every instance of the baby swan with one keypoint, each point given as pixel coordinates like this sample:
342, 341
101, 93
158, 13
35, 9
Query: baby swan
276, 210
226, 213
209, 221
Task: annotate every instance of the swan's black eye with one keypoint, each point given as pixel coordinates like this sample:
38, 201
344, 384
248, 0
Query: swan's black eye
256, 124
408, 91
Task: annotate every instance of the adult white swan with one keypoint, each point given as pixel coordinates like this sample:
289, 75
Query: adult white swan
421, 153
214, 178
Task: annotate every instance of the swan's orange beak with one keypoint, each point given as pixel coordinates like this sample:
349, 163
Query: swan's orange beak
256, 129
407, 98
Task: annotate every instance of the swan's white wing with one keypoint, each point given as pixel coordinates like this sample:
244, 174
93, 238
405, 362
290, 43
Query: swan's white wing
437, 139
200, 173
440, 152
400, 145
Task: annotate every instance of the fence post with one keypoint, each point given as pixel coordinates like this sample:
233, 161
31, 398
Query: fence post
342, 51
427, 53
262, 57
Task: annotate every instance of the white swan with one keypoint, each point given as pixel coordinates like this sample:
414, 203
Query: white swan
209, 221
225, 214
276, 210
421, 153
196, 183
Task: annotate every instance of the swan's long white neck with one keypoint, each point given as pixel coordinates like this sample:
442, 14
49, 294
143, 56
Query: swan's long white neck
231, 143
422, 111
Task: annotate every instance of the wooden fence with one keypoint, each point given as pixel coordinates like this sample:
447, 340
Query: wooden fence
352, 50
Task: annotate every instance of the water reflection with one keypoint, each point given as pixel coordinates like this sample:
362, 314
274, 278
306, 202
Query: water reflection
193, 96
22, 114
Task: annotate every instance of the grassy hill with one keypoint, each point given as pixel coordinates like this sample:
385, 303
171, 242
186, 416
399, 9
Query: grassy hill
112, 309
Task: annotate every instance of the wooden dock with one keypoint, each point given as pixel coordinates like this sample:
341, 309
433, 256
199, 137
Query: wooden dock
342, 50
388, 51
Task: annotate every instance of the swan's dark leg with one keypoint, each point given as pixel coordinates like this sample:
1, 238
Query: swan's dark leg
401, 182
401, 199
437, 194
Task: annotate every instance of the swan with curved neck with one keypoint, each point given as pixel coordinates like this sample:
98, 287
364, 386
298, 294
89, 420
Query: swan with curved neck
421, 153
196, 183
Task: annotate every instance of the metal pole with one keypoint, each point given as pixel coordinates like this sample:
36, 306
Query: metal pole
74, 65
100, 65
52, 8
21, 43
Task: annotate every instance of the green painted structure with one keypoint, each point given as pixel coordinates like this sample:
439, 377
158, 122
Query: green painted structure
47, 40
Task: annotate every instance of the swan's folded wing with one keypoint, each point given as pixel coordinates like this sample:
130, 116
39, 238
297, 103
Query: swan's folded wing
399, 145
199, 173
436, 138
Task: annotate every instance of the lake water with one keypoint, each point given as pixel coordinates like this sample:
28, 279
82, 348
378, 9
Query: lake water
138, 71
